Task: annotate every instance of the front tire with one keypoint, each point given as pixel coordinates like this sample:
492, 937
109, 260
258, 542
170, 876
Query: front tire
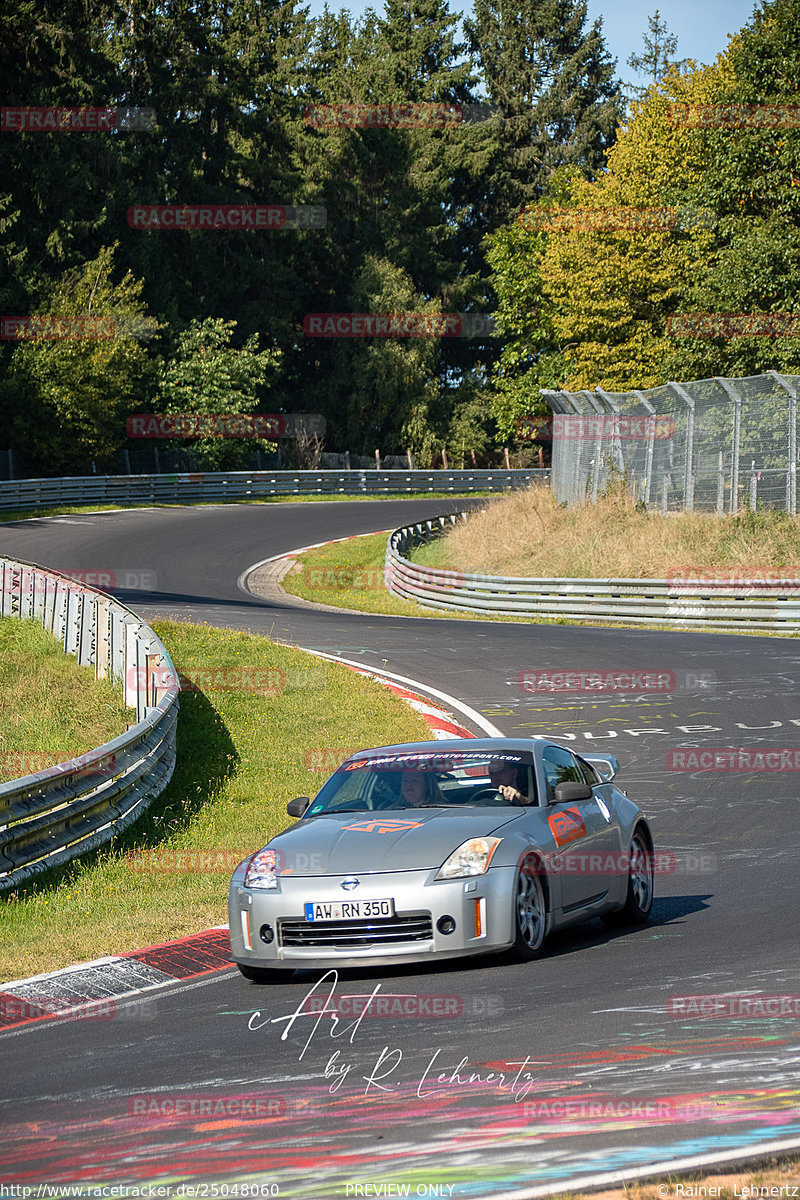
260, 974
639, 899
530, 913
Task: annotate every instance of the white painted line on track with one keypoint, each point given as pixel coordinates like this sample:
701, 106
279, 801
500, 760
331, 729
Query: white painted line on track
583, 1183
415, 685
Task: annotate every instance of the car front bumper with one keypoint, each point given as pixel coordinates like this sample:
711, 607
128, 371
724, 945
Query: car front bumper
481, 906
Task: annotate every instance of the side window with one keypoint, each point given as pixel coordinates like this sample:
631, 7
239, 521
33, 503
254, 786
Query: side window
560, 767
588, 772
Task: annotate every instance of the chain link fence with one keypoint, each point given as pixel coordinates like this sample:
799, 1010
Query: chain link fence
715, 445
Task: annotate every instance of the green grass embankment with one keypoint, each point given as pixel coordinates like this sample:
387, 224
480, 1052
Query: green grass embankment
51, 709
262, 723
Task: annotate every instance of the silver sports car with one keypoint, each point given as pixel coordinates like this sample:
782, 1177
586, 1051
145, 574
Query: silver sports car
442, 848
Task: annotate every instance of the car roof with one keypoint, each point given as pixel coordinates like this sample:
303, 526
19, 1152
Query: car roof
446, 746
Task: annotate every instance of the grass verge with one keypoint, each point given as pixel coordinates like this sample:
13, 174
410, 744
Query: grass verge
265, 724
348, 574
527, 533
51, 709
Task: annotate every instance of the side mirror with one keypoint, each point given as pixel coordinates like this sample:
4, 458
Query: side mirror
296, 807
568, 793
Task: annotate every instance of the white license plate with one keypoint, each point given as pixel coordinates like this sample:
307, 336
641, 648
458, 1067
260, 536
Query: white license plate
348, 910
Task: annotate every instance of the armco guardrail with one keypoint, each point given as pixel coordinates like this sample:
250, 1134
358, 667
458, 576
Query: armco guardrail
632, 601
243, 485
50, 817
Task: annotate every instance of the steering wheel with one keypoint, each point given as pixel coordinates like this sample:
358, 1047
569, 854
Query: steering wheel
490, 794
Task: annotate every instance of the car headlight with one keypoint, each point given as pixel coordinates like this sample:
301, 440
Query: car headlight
262, 870
471, 858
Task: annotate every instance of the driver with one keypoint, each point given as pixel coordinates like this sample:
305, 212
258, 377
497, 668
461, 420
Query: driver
419, 788
510, 781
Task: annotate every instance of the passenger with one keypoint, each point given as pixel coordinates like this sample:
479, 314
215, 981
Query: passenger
511, 781
419, 788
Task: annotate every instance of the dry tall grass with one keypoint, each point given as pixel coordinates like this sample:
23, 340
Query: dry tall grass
527, 533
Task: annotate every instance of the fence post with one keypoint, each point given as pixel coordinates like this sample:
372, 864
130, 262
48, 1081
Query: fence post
720, 487
651, 441
736, 434
753, 486
791, 473
688, 479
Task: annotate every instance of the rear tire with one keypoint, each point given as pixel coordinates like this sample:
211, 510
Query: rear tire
530, 913
639, 899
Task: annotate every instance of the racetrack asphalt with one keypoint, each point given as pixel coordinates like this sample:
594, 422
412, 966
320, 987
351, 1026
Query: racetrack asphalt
591, 1023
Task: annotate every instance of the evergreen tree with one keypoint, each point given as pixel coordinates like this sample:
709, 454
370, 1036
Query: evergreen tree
656, 58
553, 82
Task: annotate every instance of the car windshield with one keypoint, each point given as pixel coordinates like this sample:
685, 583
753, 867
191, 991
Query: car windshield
432, 779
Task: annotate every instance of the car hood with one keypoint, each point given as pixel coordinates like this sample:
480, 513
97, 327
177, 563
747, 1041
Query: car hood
391, 840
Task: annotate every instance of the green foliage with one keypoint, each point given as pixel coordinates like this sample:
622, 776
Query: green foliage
595, 308
752, 180
66, 400
207, 375
419, 219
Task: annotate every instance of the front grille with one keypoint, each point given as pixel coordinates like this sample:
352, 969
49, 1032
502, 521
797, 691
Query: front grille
382, 931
